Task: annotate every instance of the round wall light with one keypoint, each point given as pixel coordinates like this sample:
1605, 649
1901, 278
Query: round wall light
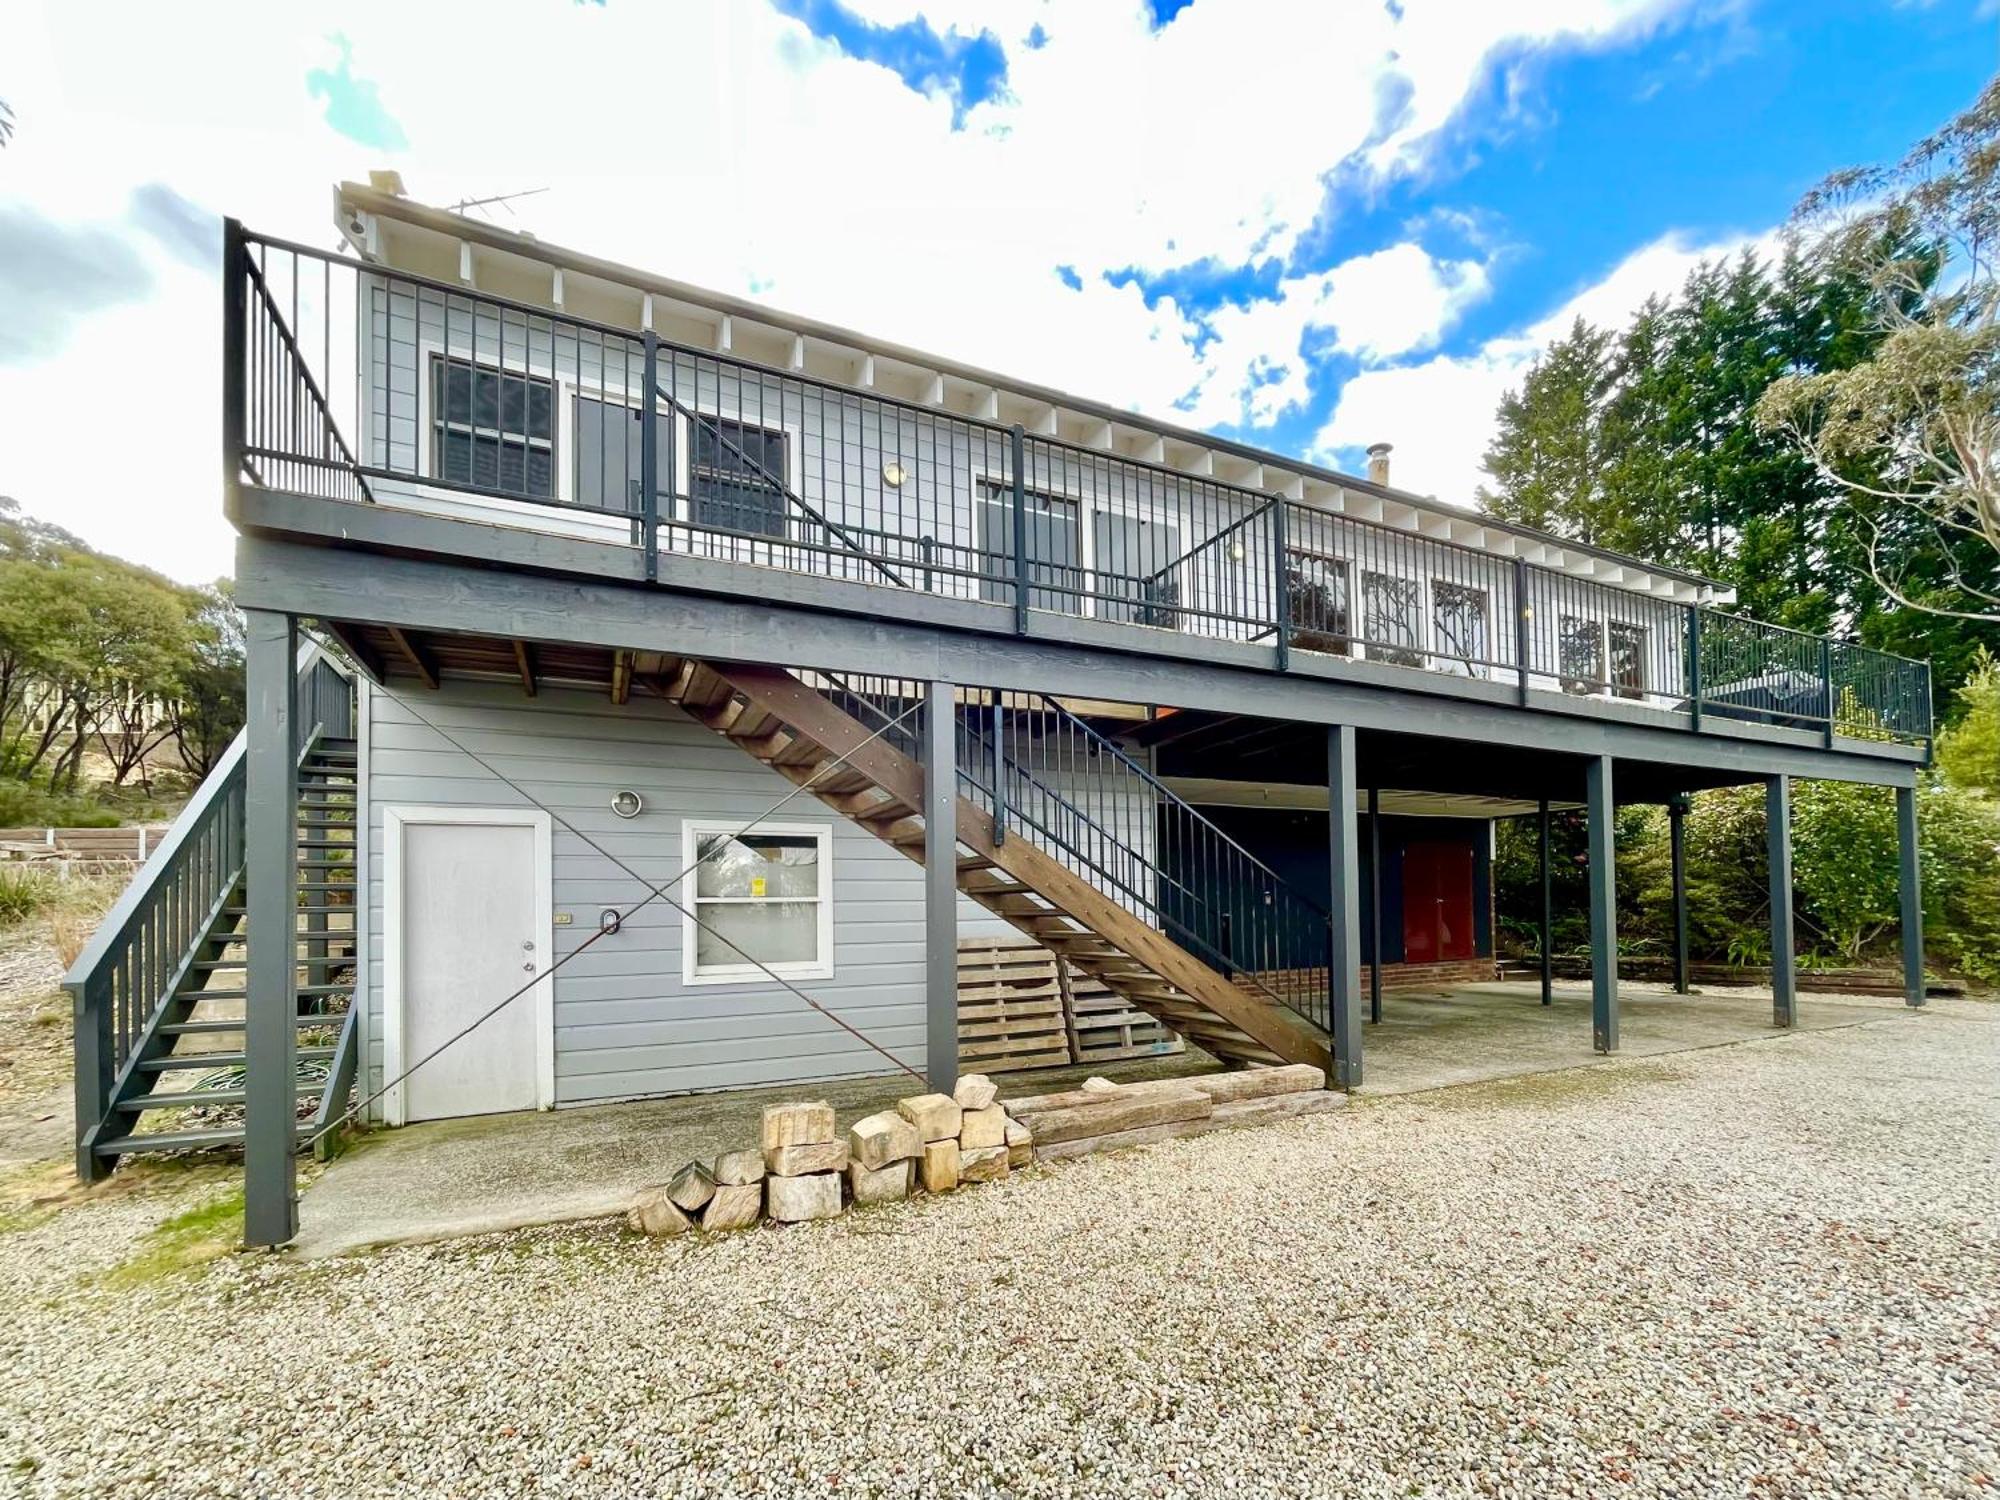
893, 474
627, 804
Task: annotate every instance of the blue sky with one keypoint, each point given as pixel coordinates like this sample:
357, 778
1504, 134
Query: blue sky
1310, 224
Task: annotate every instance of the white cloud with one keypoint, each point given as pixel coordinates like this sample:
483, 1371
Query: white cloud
1439, 413
720, 142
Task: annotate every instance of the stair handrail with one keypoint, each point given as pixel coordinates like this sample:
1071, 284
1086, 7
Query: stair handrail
1314, 916
1109, 839
156, 925
1106, 744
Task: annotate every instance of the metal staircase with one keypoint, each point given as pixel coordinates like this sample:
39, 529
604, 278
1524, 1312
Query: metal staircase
160, 994
1064, 837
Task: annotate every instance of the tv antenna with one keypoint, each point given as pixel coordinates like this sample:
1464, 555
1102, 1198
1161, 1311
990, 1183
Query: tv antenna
503, 199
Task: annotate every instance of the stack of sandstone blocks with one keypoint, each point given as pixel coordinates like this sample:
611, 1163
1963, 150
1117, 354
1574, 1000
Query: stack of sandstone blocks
803, 1170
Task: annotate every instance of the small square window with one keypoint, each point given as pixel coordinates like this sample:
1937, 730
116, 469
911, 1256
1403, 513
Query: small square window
762, 902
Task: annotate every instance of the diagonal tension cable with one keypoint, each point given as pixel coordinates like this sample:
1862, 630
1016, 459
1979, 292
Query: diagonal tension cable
653, 893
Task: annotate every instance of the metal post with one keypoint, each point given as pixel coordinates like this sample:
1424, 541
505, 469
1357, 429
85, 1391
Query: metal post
1694, 666
1375, 904
1281, 586
271, 874
235, 375
1778, 839
1344, 903
1912, 895
1826, 685
999, 770
649, 460
1548, 912
95, 1073
1677, 839
941, 887
1018, 449
1603, 906
1523, 627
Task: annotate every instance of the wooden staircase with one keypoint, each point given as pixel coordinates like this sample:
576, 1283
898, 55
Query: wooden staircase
800, 733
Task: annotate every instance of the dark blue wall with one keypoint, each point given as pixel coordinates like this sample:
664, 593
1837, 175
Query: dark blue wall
1293, 844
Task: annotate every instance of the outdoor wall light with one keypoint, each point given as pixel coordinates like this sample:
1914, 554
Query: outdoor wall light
627, 804
893, 474
1236, 550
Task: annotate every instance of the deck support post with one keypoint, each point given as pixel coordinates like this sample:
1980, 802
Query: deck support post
1677, 809
1603, 906
1548, 910
1778, 839
271, 874
1374, 905
941, 886
1911, 894
1343, 997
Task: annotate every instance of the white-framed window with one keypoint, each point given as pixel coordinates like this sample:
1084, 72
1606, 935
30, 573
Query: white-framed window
1580, 654
764, 900
1392, 619
492, 429
1458, 624
1628, 659
1316, 590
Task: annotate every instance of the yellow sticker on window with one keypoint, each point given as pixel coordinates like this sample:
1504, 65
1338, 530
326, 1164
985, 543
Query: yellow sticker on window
757, 885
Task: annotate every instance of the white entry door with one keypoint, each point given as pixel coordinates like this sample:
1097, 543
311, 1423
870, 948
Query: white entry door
467, 908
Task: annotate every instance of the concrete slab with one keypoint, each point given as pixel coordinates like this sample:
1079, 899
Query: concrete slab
458, 1177
446, 1178
1480, 1032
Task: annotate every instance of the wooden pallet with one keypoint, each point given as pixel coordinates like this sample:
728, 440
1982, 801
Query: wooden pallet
1105, 1027
1011, 1013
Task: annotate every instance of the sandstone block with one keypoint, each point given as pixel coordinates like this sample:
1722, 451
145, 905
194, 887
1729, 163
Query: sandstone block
654, 1212
808, 1124
940, 1166
983, 1165
936, 1116
883, 1138
980, 1128
1099, 1086
736, 1205
887, 1184
691, 1188
739, 1168
792, 1200
802, 1161
1020, 1144
975, 1091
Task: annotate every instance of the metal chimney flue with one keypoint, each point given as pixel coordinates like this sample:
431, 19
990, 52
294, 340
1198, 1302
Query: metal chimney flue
1378, 463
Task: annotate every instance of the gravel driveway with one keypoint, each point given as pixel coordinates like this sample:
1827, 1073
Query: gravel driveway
1767, 1270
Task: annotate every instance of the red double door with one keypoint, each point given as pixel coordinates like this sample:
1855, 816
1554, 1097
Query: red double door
1437, 902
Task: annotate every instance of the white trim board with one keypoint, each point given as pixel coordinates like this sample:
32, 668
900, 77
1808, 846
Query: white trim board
543, 993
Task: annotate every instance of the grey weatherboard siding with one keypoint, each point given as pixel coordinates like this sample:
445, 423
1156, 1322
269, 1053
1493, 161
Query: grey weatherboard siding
626, 1025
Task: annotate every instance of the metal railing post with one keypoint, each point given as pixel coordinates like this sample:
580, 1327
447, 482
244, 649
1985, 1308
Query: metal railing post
95, 1055
999, 772
1017, 443
1281, 586
1524, 615
649, 456
1694, 666
1826, 685
235, 377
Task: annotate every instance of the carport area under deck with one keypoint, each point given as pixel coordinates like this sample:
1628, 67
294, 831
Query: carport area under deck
450, 1178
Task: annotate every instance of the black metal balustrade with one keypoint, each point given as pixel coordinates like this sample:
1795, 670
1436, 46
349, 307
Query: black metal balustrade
351, 382
1044, 774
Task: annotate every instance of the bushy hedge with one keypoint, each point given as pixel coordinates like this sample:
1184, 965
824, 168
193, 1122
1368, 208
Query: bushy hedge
1844, 869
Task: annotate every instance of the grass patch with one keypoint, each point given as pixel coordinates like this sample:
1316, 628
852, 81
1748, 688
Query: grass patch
25, 892
186, 1240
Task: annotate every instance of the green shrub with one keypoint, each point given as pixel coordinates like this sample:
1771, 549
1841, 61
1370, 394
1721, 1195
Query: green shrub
25, 892
26, 805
